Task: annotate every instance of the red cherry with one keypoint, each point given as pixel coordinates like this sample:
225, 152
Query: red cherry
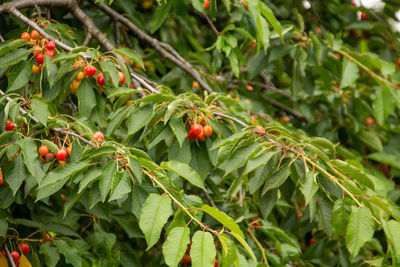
49, 157
2, 183
299, 215
132, 86
24, 247
15, 256
39, 58
25, 36
256, 224
100, 79
192, 135
10, 126
43, 150
4, 253
206, 4
196, 128
121, 77
49, 53
61, 154
313, 240
98, 136
216, 263
90, 70
201, 137
353, 3
364, 16
186, 259
51, 45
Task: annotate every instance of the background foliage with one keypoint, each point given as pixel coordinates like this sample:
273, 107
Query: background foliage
301, 168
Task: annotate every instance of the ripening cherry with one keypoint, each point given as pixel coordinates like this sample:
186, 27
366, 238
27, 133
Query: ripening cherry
207, 130
34, 34
90, 70
216, 263
80, 75
369, 121
186, 259
299, 215
35, 69
353, 3
10, 126
2, 183
39, 58
63, 197
363, 16
49, 157
201, 137
24, 247
100, 79
69, 150
195, 84
255, 224
121, 77
312, 241
15, 256
196, 128
43, 150
206, 4
61, 163
49, 53
25, 36
249, 87
192, 135
285, 119
61, 154
98, 137
50, 45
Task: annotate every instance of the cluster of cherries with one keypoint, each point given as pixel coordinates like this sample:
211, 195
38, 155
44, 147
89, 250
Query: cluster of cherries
197, 131
61, 155
90, 71
10, 126
40, 44
23, 247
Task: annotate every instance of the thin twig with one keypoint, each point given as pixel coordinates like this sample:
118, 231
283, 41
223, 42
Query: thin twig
285, 108
117, 33
205, 193
10, 258
87, 40
65, 132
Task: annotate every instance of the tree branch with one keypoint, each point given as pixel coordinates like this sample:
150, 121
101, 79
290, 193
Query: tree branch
285, 108
66, 132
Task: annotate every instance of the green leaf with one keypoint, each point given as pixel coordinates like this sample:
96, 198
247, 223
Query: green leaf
175, 246
154, 215
120, 186
89, 178
29, 151
51, 255
202, 250
386, 158
185, 171
257, 162
40, 110
110, 68
54, 181
107, 178
131, 54
238, 158
229, 251
371, 140
179, 130
245, 245
359, 230
11, 45
3, 227
269, 15
223, 218
160, 14
383, 104
339, 217
13, 57
354, 172
136, 169
392, 232
309, 187
71, 253
139, 118
86, 98
19, 76
16, 174
276, 179
117, 120
349, 73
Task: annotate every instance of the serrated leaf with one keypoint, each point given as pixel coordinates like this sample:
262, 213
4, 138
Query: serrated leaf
245, 245
13, 57
54, 181
31, 160
202, 250
371, 140
160, 14
107, 178
154, 215
269, 15
223, 218
339, 217
16, 174
309, 187
40, 110
185, 171
11, 45
359, 230
118, 119
276, 179
349, 73
139, 118
90, 177
354, 172
136, 169
179, 130
19, 76
257, 162
238, 158
131, 54
392, 232
86, 98
71, 253
175, 246
120, 186
110, 68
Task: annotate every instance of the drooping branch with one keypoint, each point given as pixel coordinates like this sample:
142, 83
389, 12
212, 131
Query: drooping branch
166, 51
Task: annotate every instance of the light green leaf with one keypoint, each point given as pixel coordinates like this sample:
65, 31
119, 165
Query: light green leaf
179, 130
257, 162
185, 171
223, 218
19, 76
120, 186
309, 187
238, 158
40, 110
371, 140
110, 68
154, 215
269, 15
107, 178
359, 230
175, 246
245, 245
13, 57
202, 250
349, 73
352, 171
29, 151
131, 54
392, 232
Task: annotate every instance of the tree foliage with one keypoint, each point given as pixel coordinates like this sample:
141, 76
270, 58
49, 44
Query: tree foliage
299, 167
